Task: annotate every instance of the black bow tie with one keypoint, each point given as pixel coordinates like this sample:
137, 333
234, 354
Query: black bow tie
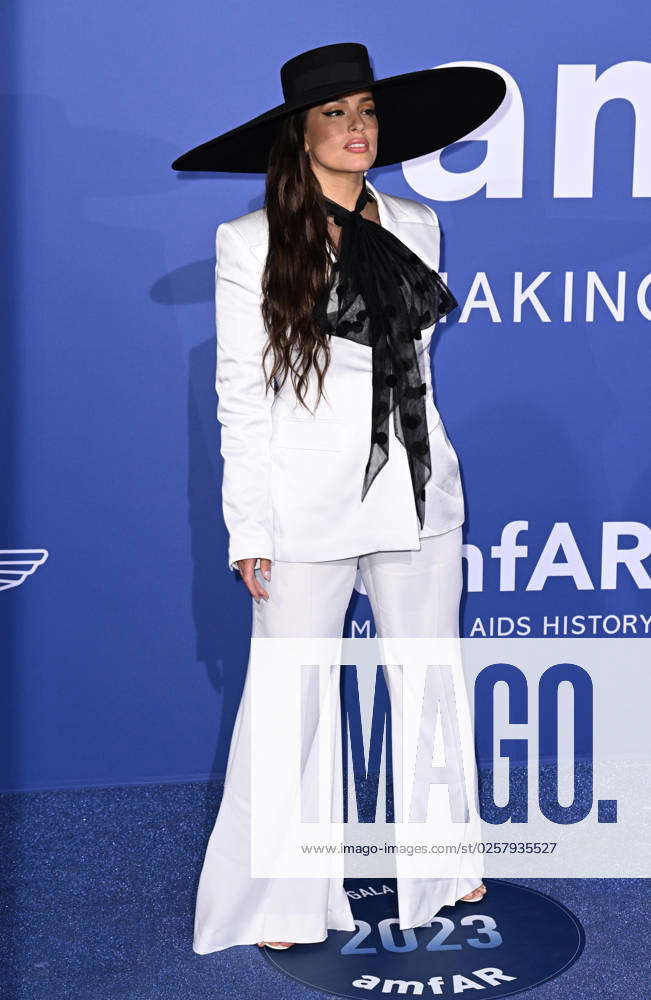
383, 295
341, 214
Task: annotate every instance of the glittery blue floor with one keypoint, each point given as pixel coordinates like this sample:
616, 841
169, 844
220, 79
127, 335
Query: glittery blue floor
97, 902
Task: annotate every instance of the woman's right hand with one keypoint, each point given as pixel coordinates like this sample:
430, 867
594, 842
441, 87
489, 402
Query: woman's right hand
247, 572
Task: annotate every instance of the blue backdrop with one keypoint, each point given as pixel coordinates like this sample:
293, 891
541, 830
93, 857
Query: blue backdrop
123, 652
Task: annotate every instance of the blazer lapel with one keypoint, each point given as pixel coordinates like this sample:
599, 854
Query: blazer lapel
409, 226
391, 214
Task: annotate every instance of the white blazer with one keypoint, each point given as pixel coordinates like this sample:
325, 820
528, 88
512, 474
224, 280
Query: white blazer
292, 480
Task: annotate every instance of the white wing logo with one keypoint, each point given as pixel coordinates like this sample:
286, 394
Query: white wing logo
17, 564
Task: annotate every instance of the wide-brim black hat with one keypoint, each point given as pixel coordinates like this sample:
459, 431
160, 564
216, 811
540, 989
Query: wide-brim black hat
417, 112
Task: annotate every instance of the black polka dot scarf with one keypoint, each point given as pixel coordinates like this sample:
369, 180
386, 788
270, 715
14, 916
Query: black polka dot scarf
383, 295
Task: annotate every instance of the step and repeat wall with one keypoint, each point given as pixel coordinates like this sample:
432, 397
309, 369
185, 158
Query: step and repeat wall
124, 635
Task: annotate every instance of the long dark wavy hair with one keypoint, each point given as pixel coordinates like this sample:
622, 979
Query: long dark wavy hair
298, 266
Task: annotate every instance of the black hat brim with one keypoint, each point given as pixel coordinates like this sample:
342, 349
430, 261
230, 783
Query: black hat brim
418, 113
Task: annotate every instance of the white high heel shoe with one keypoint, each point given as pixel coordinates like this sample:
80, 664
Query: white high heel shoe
277, 946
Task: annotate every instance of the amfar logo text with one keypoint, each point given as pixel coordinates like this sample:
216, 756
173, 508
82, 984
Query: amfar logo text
580, 95
522, 568
625, 546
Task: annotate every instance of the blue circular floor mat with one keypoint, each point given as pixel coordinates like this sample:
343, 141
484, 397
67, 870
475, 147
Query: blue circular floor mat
512, 940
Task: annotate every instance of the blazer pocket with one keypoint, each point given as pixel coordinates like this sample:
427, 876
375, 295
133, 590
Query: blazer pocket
313, 435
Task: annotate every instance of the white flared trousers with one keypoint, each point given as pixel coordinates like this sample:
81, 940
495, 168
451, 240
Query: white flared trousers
412, 594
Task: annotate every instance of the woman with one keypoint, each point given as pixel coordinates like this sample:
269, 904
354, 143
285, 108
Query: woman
336, 458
